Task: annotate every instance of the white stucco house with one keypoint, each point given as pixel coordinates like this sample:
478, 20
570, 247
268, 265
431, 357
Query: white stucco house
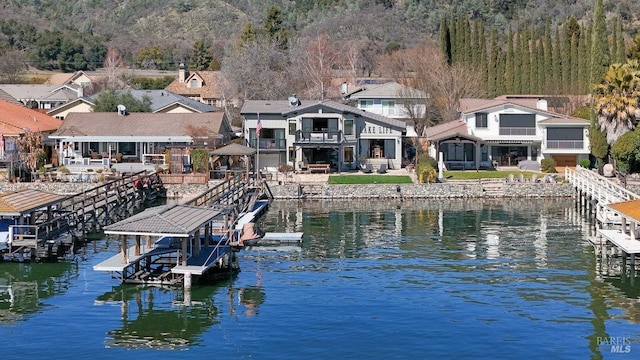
499, 132
299, 133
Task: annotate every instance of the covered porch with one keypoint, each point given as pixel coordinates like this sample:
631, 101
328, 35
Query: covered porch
462, 152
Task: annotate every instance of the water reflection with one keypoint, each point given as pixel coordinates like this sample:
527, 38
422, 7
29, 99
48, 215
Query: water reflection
160, 317
24, 286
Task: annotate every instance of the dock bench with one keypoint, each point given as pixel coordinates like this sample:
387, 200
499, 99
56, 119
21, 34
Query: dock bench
319, 168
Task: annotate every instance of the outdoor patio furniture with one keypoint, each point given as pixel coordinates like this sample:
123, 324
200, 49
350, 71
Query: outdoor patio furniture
367, 169
382, 169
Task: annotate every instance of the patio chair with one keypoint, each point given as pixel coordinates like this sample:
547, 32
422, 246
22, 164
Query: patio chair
382, 169
367, 169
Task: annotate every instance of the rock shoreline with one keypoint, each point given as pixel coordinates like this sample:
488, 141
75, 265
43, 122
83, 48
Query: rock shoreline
468, 189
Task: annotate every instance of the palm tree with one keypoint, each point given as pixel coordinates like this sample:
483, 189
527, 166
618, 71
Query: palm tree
617, 99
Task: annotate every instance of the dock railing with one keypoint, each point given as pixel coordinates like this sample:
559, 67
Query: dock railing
597, 186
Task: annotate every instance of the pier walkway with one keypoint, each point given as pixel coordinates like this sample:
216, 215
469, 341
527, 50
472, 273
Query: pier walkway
617, 212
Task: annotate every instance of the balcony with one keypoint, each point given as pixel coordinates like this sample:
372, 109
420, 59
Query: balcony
319, 137
565, 144
517, 131
270, 144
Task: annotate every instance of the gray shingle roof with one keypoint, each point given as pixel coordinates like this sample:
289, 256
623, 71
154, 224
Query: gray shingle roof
173, 219
139, 124
283, 108
161, 99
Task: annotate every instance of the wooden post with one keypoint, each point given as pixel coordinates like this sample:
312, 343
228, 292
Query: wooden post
123, 248
148, 242
184, 251
137, 251
187, 281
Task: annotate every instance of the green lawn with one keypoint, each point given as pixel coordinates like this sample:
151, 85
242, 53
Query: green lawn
474, 175
369, 179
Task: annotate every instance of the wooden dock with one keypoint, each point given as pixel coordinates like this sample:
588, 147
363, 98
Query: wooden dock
44, 226
187, 241
617, 212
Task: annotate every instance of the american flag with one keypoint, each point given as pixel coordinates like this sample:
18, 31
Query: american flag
258, 127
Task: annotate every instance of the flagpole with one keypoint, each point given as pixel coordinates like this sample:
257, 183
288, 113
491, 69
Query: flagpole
258, 131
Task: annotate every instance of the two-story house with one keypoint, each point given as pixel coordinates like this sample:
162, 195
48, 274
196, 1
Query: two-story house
320, 132
507, 132
207, 87
390, 99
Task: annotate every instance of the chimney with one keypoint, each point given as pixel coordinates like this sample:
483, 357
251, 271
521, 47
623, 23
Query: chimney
344, 88
80, 91
542, 104
122, 110
181, 73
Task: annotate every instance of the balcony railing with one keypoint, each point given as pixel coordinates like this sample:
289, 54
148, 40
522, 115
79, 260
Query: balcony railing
270, 144
565, 144
319, 137
517, 131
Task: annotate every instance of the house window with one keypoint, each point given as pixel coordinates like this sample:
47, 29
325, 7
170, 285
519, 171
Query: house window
292, 127
388, 107
481, 120
565, 138
348, 127
517, 124
348, 154
366, 104
194, 83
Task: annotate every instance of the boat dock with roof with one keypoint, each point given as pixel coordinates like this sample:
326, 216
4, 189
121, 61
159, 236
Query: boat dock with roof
177, 243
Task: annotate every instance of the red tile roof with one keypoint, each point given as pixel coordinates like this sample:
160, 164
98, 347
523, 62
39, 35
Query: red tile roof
14, 119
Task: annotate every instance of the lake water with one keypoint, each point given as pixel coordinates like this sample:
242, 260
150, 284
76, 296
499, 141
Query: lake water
373, 280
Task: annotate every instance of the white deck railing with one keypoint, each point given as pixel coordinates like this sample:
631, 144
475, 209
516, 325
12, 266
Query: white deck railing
597, 186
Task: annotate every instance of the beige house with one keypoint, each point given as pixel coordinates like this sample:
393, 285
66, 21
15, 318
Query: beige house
207, 87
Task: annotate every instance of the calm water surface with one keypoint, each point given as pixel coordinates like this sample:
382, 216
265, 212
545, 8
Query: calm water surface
373, 280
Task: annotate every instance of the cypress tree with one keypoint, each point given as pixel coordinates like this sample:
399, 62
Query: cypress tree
574, 64
509, 66
492, 68
566, 65
556, 77
600, 60
445, 40
525, 65
620, 50
533, 66
548, 58
541, 67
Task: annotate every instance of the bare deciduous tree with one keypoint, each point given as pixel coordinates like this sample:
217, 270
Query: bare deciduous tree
257, 70
13, 64
423, 68
316, 58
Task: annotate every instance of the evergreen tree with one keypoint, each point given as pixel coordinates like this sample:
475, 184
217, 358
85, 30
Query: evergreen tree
566, 65
445, 40
201, 56
525, 66
247, 35
509, 65
574, 65
108, 101
556, 77
492, 69
620, 50
273, 27
599, 45
533, 66
634, 50
548, 55
598, 141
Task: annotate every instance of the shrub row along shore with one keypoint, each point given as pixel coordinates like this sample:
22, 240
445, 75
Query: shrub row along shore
453, 189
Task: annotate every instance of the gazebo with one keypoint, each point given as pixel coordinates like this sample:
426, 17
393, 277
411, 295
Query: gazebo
235, 149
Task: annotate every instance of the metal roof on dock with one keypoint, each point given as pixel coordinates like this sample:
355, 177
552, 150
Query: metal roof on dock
167, 220
25, 201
